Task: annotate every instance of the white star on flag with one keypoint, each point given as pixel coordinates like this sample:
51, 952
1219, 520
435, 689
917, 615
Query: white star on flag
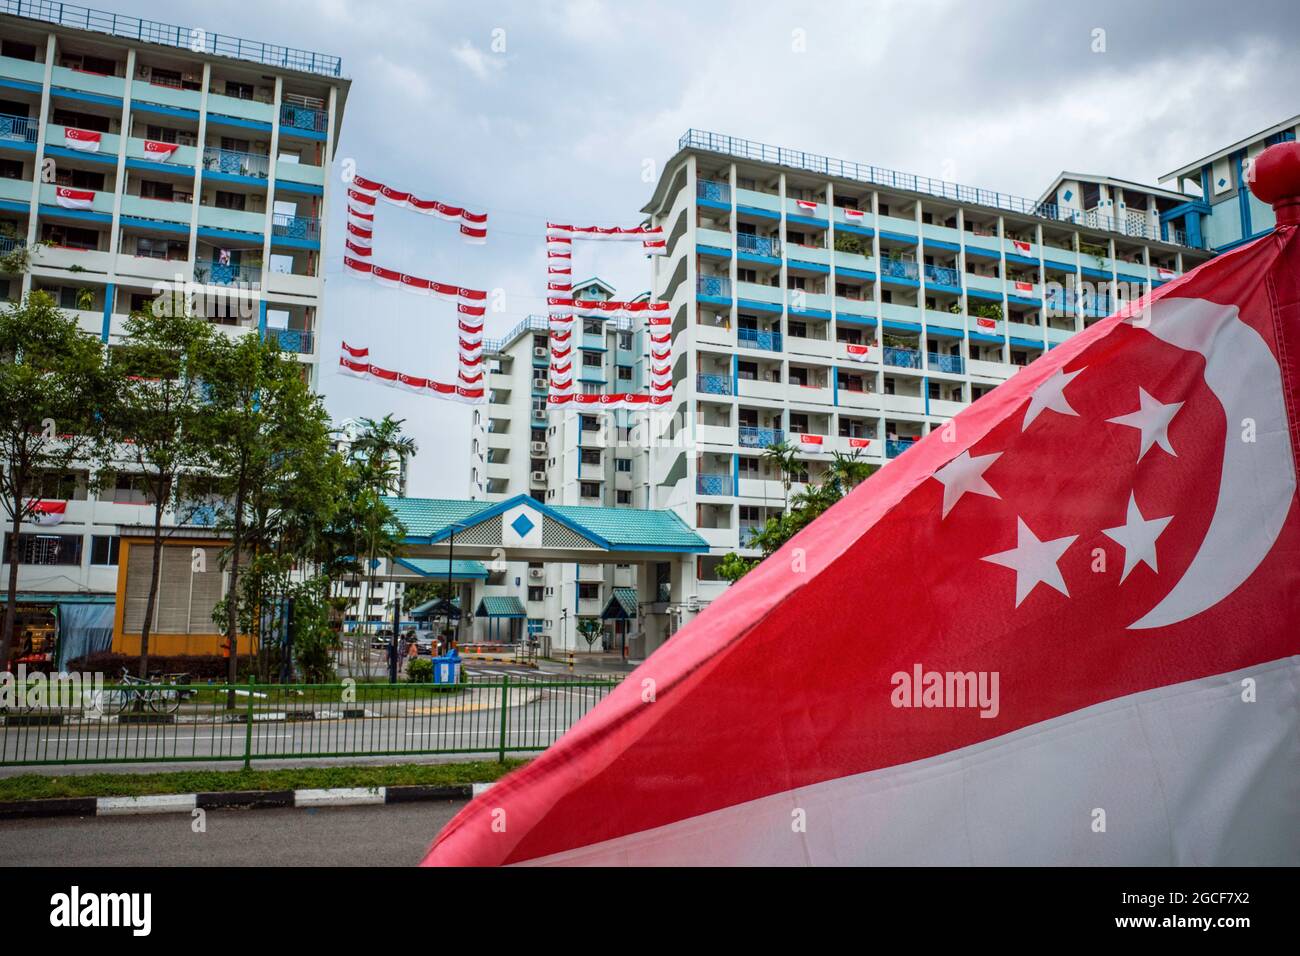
1137, 537
1051, 394
1033, 561
1152, 419
965, 474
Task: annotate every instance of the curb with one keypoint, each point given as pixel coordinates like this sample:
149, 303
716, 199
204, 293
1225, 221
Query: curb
244, 799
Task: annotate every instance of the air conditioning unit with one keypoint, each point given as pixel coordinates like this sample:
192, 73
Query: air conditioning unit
539, 383
538, 447
539, 476
539, 351
537, 573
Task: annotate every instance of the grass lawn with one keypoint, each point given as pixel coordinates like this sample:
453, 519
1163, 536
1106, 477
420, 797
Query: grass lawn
40, 786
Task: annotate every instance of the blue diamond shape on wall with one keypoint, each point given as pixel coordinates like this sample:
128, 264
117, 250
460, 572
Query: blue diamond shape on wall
1222, 181
1067, 195
522, 525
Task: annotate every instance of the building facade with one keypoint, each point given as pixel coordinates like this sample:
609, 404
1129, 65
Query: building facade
842, 307
137, 158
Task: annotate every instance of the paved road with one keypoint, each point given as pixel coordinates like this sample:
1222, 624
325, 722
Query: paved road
539, 720
393, 835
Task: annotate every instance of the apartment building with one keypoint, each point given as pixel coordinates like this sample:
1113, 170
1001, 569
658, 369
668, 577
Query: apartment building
132, 153
589, 458
844, 307
135, 152
1221, 209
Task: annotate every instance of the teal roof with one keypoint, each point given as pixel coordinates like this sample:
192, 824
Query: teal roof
437, 568
500, 607
622, 605
616, 528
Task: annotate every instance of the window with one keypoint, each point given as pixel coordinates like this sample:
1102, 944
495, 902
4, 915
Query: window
233, 145
129, 490
226, 200
747, 370
185, 597
62, 549
161, 77
623, 497
77, 120
748, 467
536, 593
153, 189
18, 50
70, 237
104, 549
798, 330
798, 423
240, 91
588, 591
79, 179
625, 373
622, 464
152, 248
590, 489
625, 341
591, 360
11, 169
746, 275
591, 456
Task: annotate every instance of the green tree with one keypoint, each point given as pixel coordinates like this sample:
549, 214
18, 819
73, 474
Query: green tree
590, 628
152, 427
51, 382
782, 457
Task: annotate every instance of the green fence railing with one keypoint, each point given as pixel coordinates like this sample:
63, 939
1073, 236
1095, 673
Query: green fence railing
159, 723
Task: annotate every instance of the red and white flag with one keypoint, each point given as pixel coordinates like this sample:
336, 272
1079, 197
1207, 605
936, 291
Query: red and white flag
858, 353
859, 442
851, 214
46, 513
1023, 248
85, 140
159, 151
1166, 274
805, 439
806, 205
986, 323
1084, 595
1024, 286
70, 198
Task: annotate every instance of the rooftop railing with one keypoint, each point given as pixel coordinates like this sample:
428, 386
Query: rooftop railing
910, 182
166, 34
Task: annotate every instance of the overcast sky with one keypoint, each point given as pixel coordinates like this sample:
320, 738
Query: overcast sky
562, 123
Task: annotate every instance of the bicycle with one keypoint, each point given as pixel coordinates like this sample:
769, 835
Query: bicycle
143, 693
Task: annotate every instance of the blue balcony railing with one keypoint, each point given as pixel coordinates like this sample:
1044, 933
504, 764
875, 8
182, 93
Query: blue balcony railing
9, 243
710, 384
896, 446
713, 484
899, 269
304, 118
184, 38
294, 340
719, 286
758, 339
942, 275
716, 192
754, 437
901, 358
234, 163
758, 245
228, 274
295, 227
946, 363
894, 179
18, 129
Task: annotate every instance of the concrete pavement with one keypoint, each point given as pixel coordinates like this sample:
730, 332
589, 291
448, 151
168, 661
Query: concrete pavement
395, 835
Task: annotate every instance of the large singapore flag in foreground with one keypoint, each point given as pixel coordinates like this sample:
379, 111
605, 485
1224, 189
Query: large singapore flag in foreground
1107, 551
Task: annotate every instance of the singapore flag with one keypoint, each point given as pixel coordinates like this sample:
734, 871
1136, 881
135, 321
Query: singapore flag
1078, 637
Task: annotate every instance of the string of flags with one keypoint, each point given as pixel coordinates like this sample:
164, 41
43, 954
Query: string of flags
363, 193
563, 308
469, 388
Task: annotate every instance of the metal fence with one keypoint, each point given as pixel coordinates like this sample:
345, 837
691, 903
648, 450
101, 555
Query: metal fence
247, 722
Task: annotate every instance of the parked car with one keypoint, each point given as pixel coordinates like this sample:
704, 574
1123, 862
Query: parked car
425, 642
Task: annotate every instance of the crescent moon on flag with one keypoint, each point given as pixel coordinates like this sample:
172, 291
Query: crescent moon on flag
1258, 481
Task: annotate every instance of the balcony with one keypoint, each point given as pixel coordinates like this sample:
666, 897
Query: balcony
713, 191
215, 273
753, 437
946, 363
231, 162
899, 269
713, 485
758, 245
757, 339
901, 358
297, 341
716, 286
18, 129
896, 446
942, 275
304, 118
301, 228
713, 384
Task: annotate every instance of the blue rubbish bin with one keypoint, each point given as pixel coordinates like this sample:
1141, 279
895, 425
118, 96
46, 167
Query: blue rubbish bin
446, 669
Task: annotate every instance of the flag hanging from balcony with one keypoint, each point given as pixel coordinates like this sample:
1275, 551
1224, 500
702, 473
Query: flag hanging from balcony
70, 198
1081, 646
986, 323
46, 513
84, 140
158, 151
